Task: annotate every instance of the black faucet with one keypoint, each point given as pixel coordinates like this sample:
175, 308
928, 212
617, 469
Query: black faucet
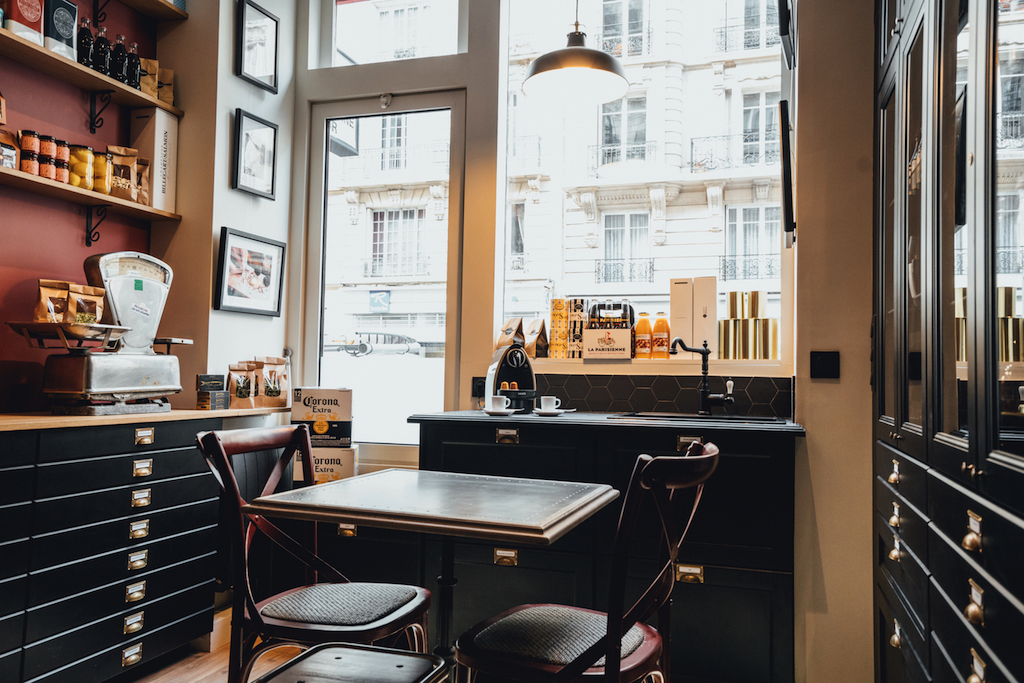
707, 399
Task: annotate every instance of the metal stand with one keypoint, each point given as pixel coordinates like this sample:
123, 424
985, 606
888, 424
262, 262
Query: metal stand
446, 587
95, 118
91, 232
99, 14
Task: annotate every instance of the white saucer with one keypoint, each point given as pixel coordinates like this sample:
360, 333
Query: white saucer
503, 413
545, 413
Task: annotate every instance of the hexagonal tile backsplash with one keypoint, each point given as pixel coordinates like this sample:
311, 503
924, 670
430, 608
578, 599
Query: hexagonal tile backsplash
767, 396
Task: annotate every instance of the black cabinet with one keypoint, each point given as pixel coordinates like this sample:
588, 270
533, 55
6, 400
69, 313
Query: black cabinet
734, 623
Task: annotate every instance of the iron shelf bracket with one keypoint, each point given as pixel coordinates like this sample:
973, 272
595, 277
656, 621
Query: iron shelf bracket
99, 14
92, 234
95, 118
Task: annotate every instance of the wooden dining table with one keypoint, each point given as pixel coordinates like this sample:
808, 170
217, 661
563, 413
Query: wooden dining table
448, 504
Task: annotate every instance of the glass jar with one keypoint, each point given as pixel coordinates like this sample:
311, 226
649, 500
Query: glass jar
46, 167
61, 170
80, 167
103, 173
29, 141
47, 146
63, 151
29, 162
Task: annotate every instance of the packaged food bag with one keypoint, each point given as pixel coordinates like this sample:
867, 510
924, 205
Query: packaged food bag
53, 301
536, 339
85, 304
60, 27
125, 162
24, 18
241, 377
150, 83
143, 178
165, 86
273, 383
511, 331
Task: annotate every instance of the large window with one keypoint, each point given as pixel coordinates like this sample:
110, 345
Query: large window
396, 244
627, 248
623, 28
368, 32
753, 245
624, 130
761, 128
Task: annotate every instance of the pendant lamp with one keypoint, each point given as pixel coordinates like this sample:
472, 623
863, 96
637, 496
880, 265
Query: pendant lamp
576, 73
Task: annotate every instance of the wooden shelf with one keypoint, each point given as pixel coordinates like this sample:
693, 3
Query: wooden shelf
69, 193
48, 62
157, 9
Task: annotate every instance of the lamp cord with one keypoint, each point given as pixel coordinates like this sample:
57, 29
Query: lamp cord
577, 16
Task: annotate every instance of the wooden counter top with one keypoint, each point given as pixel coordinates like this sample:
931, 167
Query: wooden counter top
13, 422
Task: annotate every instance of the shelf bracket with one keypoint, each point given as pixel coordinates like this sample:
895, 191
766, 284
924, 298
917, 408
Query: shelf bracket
92, 234
95, 118
99, 14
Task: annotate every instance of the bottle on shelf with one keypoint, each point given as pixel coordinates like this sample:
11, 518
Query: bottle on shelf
119, 60
642, 335
134, 68
660, 338
85, 43
101, 51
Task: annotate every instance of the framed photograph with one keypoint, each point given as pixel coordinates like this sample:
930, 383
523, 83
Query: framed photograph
250, 273
255, 167
256, 55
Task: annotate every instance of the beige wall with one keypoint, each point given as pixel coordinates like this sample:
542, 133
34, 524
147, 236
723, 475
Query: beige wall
833, 128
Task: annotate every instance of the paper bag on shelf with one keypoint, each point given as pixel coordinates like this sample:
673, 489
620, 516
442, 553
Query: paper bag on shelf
536, 339
150, 83
3, 109
511, 331
241, 379
85, 304
165, 85
53, 301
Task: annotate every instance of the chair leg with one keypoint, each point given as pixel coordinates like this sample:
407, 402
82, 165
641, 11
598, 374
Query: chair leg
236, 653
263, 649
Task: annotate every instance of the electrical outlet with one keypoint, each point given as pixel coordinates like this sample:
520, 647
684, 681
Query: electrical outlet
479, 384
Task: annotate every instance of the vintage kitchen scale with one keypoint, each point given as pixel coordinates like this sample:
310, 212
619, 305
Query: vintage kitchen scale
111, 368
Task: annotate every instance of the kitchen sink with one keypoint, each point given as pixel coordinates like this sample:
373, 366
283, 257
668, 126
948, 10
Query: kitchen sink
695, 416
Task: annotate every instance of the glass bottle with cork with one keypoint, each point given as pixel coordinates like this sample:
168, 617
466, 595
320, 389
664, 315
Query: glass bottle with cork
85, 43
101, 51
119, 60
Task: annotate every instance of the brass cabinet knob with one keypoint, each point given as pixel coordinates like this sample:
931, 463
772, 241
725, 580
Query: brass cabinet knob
894, 554
894, 522
974, 678
971, 542
894, 478
975, 614
894, 640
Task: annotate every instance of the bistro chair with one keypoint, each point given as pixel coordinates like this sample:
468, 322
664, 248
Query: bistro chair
345, 663
558, 643
334, 610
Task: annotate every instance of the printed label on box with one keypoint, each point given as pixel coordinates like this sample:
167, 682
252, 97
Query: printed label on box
607, 344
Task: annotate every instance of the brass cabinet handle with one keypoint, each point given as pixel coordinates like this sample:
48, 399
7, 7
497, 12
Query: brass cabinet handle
134, 592
894, 554
144, 436
138, 560
894, 522
971, 542
894, 640
894, 478
142, 498
133, 622
139, 529
142, 468
131, 655
504, 557
973, 678
689, 573
975, 614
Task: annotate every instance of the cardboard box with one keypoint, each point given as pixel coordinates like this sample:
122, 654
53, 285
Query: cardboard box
213, 400
330, 464
680, 321
328, 412
154, 132
210, 383
608, 344
705, 313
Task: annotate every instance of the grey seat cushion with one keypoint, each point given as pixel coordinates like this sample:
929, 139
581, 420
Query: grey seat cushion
340, 604
551, 634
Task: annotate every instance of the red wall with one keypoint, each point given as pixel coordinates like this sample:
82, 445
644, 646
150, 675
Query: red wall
42, 237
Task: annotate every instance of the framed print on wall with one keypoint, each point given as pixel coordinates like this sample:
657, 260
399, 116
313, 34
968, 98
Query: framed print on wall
255, 165
250, 273
256, 53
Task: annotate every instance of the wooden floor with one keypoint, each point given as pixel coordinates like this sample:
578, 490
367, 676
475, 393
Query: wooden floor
185, 665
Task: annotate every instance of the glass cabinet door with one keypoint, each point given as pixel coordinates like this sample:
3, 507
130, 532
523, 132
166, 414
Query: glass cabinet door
885, 372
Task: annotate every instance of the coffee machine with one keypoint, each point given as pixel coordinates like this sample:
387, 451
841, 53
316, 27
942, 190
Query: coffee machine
511, 364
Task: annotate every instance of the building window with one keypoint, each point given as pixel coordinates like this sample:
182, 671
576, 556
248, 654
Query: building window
760, 128
627, 249
1008, 242
400, 30
1010, 115
753, 243
391, 30
393, 132
760, 24
623, 130
623, 28
396, 250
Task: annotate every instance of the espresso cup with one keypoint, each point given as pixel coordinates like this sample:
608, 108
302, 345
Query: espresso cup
549, 404
496, 403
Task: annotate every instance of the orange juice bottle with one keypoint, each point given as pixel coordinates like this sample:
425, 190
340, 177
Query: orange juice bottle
642, 331
660, 338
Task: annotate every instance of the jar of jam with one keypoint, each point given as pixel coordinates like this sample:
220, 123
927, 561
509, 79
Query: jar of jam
46, 167
47, 146
103, 173
60, 170
29, 162
80, 167
63, 151
29, 141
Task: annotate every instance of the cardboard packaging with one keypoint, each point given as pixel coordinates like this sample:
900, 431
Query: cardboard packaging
209, 382
25, 19
607, 344
213, 400
705, 313
60, 27
328, 412
154, 133
3, 109
331, 464
680, 293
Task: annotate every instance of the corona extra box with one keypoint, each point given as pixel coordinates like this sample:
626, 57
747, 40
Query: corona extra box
328, 414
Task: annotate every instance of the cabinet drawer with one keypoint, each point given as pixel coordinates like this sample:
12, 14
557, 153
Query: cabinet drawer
122, 564
84, 442
54, 514
13, 592
10, 666
912, 630
12, 628
17, 448
115, 630
17, 521
992, 613
136, 592
77, 476
943, 670
907, 475
996, 536
18, 483
14, 558
911, 523
64, 546
905, 569
114, 660
896, 659
961, 642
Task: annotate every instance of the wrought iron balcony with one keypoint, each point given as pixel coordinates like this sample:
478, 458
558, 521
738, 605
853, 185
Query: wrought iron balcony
609, 154
729, 151
1010, 130
382, 266
761, 267
634, 41
1009, 260
740, 37
624, 270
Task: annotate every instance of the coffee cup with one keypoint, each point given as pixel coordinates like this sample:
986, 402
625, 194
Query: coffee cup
498, 403
549, 404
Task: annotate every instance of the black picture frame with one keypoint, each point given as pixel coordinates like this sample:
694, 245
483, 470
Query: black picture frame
250, 273
256, 45
786, 151
255, 164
